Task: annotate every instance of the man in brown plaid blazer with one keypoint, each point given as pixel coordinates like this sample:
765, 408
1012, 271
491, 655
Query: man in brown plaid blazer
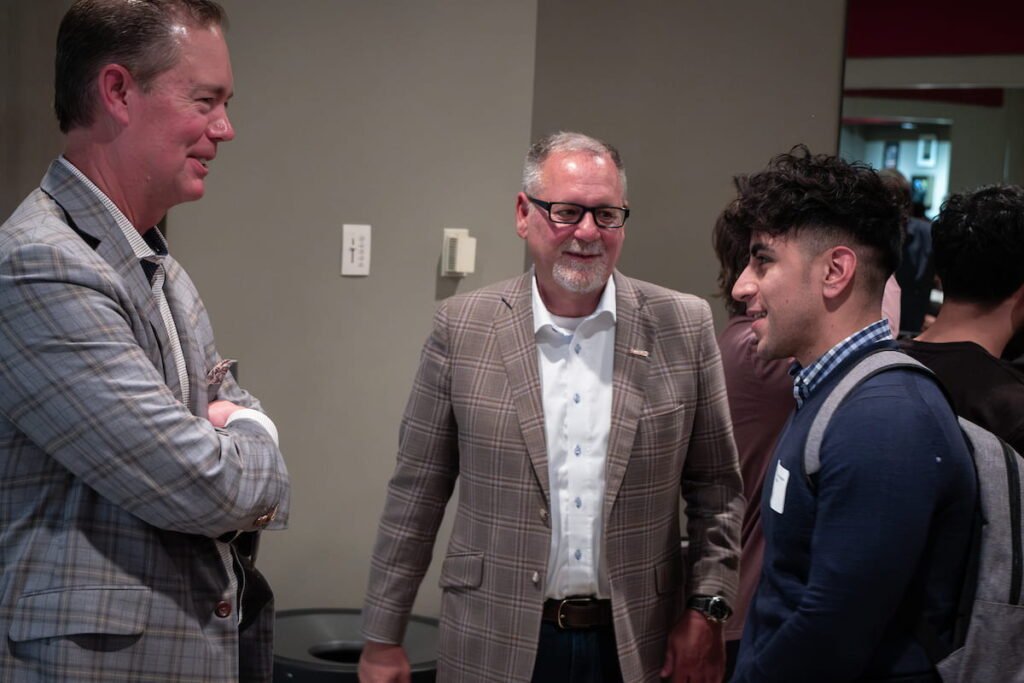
573, 405
130, 459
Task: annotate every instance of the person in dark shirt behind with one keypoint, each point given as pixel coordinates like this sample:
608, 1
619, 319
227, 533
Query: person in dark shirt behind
979, 251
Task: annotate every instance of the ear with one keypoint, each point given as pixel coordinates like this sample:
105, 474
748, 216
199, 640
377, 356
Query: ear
522, 211
840, 264
115, 85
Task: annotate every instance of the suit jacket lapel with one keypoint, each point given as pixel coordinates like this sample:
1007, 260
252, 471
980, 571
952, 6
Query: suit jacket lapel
513, 326
634, 337
87, 215
177, 289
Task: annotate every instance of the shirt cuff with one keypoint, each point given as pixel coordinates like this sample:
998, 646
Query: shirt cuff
257, 417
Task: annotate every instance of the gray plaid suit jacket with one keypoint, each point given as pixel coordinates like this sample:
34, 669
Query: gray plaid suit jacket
475, 415
112, 492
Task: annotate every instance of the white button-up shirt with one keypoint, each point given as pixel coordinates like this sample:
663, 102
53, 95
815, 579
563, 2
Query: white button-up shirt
576, 356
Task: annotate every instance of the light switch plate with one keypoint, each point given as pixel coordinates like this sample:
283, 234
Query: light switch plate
355, 249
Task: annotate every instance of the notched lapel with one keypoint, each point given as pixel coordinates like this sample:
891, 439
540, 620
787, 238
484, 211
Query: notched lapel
182, 307
89, 217
635, 333
513, 326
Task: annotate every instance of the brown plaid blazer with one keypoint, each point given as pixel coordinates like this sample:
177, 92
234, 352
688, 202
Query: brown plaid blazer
112, 492
475, 416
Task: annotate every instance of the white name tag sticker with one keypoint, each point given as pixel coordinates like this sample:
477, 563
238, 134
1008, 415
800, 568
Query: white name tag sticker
778, 500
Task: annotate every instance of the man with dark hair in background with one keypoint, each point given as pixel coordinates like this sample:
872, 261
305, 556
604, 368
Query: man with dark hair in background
979, 257
916, 270
134, 471
879, 535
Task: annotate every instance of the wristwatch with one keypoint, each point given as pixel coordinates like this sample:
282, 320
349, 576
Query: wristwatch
714, 608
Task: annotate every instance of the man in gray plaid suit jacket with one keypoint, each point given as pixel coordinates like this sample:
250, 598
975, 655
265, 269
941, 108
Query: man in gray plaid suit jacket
573, 405
134, 472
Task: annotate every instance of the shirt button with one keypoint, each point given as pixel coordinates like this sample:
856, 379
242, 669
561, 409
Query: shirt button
578, 554
223, 610
577, 450
577, 348
578, 502
575, 398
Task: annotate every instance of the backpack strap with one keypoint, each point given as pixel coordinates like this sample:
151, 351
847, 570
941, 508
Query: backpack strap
869, 366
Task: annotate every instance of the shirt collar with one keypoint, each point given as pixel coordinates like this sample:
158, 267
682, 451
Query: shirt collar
806, 380
542, 317
150, 246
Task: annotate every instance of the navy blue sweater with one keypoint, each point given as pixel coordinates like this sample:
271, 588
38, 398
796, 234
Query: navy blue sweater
848, 568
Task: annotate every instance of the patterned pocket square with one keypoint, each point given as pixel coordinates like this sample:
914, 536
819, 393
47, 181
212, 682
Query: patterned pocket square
216, 374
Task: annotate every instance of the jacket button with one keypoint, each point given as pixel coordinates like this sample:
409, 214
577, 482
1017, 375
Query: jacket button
544, 514
536, 578
223, 610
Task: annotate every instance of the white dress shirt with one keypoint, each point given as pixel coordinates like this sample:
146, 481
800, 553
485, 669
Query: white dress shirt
576, 356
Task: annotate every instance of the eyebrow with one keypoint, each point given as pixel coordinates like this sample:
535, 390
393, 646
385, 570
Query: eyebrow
218, 90
758, 247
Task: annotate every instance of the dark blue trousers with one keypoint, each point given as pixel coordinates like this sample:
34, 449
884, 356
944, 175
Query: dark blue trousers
577, 656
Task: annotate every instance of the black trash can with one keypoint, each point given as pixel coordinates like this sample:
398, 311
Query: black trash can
323, 646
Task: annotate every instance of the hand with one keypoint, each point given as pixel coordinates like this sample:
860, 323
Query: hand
695, 651
219, 411
383, 663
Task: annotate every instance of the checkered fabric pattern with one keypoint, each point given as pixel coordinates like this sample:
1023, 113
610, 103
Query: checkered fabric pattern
113, 490
475, 419
806, 380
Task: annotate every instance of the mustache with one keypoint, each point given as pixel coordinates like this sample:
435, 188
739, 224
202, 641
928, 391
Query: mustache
584, 248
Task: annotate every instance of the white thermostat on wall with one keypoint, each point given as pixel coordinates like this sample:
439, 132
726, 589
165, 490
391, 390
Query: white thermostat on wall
458, 253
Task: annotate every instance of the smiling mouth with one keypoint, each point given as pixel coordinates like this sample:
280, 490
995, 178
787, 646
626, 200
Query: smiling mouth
758, 316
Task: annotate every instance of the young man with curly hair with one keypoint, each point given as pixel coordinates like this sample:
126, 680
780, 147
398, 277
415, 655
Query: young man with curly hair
857, 553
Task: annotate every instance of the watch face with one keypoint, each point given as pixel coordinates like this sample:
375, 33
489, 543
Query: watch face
718, 609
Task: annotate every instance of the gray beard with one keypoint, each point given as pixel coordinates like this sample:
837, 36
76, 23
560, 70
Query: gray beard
581, 279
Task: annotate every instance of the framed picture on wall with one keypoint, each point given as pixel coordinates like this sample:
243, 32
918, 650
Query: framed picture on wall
921, 190
891, 155
927, 150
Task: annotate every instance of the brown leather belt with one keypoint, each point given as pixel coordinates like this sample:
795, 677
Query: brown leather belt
573, 613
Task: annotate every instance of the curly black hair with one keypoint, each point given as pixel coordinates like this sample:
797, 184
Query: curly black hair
978, 241
832, 201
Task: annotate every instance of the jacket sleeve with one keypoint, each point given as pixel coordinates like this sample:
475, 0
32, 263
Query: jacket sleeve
418, 492
711, 483
76, 382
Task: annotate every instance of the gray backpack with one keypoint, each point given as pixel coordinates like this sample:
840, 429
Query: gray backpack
988, 644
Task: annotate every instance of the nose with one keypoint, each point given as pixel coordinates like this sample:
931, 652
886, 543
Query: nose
220, 128
745, 287
586, 229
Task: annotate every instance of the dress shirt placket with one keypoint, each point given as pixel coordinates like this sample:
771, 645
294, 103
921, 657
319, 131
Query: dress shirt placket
585, 470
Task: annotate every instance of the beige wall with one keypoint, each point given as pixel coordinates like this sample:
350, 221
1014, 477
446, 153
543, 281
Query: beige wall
692, 93
414, 116
29, 137
409, 116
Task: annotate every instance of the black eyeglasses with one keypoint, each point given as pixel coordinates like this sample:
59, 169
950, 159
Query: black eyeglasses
568, 213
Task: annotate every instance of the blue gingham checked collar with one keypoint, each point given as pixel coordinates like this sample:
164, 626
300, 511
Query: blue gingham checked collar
806, 380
